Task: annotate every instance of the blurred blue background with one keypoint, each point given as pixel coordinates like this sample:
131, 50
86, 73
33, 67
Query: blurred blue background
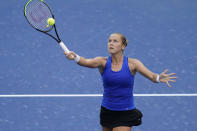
161, 34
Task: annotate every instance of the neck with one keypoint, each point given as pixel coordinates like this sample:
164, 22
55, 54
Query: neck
117, 58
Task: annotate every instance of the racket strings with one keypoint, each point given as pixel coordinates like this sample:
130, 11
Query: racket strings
37, 13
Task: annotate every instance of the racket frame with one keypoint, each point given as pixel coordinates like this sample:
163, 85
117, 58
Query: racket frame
62, 45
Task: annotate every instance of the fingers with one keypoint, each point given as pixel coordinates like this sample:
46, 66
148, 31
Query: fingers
70, 52
165, 71
172, 74
172, 80
172, 77
166, 77
71, 55
168, 84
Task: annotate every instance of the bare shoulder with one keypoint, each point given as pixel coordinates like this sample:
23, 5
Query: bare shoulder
101, 60
133, 61
133, 64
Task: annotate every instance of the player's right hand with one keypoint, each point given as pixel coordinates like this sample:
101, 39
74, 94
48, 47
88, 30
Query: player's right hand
71, 55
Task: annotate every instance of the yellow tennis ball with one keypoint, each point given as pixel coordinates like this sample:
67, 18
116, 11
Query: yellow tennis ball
51, 21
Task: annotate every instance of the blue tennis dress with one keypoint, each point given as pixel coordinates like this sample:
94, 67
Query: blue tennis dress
118, 87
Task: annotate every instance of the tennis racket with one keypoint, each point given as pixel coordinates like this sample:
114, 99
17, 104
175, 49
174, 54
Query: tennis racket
37, 12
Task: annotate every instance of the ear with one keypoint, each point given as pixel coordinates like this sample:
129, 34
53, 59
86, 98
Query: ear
123, 46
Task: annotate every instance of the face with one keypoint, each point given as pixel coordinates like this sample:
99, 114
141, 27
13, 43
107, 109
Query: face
115, 44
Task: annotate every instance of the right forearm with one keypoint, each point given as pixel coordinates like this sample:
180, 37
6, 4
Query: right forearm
82, 61
91, 63
78, 59
86, 62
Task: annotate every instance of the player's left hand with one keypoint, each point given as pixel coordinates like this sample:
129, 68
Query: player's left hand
165, 78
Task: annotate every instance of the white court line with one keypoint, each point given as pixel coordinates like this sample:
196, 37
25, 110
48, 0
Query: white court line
85, 95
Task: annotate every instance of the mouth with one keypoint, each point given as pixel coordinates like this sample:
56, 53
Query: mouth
111, 48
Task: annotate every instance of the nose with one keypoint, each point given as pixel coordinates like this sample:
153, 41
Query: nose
111, 43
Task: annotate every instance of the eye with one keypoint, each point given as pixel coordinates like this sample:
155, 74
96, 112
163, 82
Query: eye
115, 41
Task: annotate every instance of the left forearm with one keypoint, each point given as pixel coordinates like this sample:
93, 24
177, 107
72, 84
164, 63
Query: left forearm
151, 76
163, 77
146, 72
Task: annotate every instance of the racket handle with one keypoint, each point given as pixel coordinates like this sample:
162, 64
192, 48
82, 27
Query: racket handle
63, 46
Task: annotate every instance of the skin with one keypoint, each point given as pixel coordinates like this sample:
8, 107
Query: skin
116, 48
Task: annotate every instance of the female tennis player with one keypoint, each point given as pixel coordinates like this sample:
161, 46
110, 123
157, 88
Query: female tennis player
118, 111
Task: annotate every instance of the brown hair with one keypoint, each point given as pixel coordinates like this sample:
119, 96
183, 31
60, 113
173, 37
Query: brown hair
123, 38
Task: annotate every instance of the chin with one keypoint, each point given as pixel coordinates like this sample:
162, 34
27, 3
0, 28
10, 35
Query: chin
112, 53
